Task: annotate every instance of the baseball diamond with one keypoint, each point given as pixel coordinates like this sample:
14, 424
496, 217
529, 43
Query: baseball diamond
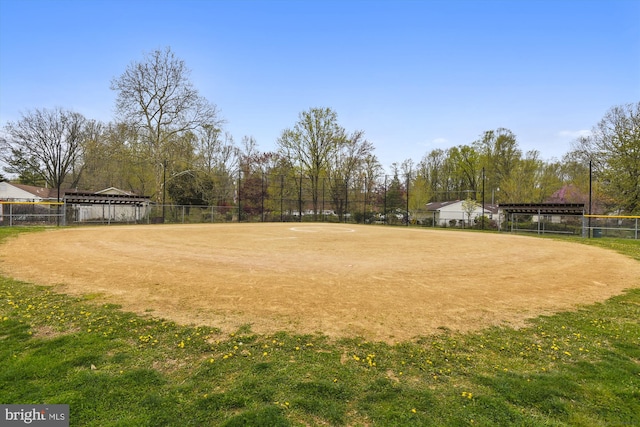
378, 282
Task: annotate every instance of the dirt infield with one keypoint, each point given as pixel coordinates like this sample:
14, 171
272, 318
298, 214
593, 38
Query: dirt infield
383, 283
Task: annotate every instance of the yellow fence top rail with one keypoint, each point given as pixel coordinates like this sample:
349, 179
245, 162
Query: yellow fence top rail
613, 216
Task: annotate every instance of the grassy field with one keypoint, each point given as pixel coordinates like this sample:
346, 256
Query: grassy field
113, 368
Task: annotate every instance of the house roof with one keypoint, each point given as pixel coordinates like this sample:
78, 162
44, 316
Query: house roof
36, 191
43, 193
436, 206
114, 190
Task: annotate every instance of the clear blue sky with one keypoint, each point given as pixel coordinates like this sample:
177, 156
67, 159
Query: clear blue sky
414, 75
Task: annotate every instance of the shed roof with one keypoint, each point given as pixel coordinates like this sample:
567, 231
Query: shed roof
104, 198
544, 208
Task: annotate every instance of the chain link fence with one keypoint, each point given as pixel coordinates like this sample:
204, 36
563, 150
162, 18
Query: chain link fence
31, 213
279, 198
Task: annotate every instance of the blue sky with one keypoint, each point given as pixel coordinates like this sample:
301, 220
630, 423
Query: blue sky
414, 75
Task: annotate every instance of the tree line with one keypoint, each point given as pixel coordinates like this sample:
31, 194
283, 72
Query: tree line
168, 142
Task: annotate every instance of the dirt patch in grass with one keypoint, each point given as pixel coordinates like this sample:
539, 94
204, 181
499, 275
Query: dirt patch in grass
382, 283
48, 332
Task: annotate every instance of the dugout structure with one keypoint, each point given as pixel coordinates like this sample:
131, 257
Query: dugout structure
106, 208
541, 218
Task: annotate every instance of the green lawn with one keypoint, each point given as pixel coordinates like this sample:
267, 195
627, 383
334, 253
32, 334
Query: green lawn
113, 368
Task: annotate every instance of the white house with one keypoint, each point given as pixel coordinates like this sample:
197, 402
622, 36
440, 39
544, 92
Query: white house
454, 214
20, 202
25, 193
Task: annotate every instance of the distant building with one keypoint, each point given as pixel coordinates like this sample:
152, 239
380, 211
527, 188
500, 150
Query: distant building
453, 214
108, 205
27, 193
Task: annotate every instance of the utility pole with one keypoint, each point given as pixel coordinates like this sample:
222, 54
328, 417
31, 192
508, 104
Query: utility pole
483, 197
590, 187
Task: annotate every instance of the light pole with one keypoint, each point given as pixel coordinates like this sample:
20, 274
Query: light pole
590, 190
483, 197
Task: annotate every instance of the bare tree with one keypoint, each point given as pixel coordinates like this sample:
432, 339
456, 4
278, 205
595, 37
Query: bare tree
157, 96
48, 143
